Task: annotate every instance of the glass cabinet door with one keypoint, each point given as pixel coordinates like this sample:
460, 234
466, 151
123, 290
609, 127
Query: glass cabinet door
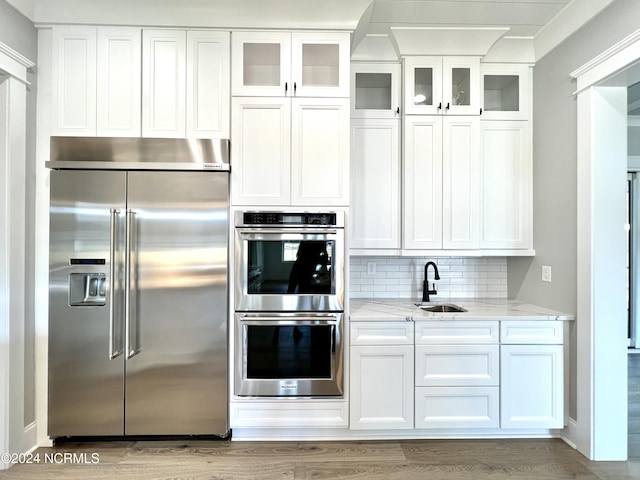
320, 64
261, 63
505, 92
423, 85
375, 92
461, 85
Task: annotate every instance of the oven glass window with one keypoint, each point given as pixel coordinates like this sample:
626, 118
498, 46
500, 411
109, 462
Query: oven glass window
288, 352
291, 266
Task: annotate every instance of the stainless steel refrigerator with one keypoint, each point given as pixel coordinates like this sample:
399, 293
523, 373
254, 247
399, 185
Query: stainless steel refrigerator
138, 303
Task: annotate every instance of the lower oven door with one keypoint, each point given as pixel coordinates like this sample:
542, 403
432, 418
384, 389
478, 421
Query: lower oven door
289, 354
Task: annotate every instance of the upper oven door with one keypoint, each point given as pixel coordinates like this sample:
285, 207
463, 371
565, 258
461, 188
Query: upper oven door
289, 269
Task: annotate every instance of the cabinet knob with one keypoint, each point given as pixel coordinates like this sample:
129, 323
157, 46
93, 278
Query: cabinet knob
286, 87
480, 110
440, 106
398, 110
447, 105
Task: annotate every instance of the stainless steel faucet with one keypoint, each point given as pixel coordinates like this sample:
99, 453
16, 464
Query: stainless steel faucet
426, 291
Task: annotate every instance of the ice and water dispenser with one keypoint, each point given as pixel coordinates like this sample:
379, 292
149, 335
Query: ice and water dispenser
87, 288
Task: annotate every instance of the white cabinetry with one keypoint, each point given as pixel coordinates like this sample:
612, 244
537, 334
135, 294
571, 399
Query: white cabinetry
290, 118
506, 91
126, 82
382, 362
96, 81
506, 180
185, 83
303, 64
457, 375
442, 85
290, 151
375, 156
532, 375
441, 180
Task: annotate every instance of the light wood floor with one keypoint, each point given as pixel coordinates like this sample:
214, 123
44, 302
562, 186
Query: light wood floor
539, 459
634, 405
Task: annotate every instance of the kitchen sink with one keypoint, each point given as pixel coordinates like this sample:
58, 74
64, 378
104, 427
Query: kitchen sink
441, 307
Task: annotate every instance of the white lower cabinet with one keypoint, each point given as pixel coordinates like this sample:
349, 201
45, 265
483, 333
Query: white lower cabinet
432, 375
457, 375
532, 375
381, 386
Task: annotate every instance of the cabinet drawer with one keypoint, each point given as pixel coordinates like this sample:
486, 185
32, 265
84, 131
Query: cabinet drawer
533, 332
381, 333
457, 365
455, 333
457, 407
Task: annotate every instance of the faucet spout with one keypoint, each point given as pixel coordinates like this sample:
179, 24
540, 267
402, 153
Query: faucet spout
426, 291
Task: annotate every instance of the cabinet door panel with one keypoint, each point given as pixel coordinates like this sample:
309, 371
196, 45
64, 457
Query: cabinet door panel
208, 84
532, 394
423, 182
373, 407
74, 81
119, 82
457, 407
375, 184
261, 155
320, 152
460, 182
506, 180
455, 365
163, 83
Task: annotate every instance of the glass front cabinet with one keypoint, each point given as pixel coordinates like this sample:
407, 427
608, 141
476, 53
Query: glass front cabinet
303, 64
442, 85
375, 90
505, 91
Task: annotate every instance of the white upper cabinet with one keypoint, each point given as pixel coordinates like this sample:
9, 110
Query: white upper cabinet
74, 81
185, 80
303, 64
96, 81
163, 80
290, 151
441, 182
208, 84
506, 91
375, 90
126, 82
118, 81
442, 85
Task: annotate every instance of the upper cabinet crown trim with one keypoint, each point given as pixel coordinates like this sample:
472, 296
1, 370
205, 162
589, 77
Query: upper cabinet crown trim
446, 40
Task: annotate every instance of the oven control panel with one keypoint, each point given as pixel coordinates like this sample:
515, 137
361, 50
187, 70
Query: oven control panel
293, 219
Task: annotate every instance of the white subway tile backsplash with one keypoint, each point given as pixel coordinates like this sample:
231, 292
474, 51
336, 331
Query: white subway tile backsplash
401, 277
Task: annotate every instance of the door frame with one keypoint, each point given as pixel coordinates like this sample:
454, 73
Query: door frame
601, 248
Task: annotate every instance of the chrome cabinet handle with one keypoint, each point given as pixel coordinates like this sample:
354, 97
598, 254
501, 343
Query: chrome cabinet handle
114, 351
131, 337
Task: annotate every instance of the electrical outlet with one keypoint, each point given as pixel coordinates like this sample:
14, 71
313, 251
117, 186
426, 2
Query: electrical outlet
546, 273
371, 268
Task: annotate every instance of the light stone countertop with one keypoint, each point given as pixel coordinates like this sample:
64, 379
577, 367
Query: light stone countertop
394, 309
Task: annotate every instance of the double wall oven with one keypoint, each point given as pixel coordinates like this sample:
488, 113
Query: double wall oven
289, 303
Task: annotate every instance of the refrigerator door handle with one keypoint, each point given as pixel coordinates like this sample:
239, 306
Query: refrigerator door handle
115, 338
131, 332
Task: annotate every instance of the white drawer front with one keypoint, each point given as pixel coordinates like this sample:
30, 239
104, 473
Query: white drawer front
457, 407
381, 333
533, 332
456, 332
457, 365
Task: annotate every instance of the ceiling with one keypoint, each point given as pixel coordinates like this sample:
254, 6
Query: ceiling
524, 18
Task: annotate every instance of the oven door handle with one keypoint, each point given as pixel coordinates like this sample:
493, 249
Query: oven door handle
289, 231
257, 318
